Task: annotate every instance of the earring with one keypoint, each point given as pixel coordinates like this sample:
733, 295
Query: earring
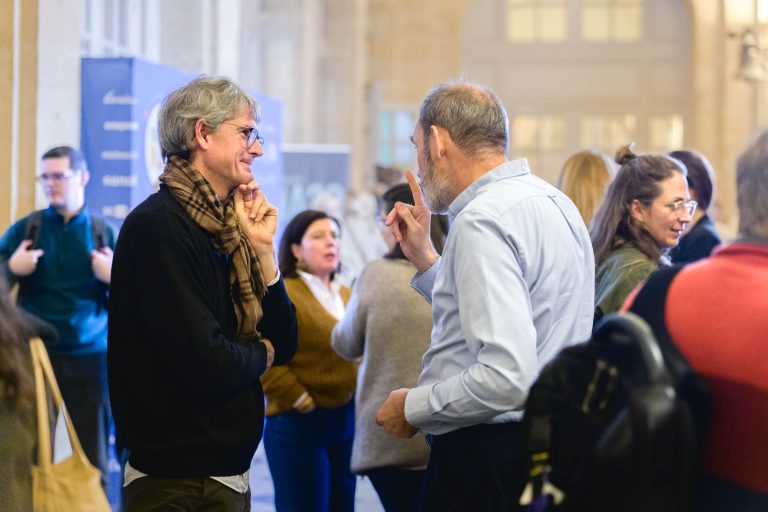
301, 264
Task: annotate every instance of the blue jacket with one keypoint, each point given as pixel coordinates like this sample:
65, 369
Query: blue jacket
63, 290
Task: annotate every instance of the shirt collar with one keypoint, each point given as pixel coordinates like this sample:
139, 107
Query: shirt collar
316, 281
509, 169
52, 214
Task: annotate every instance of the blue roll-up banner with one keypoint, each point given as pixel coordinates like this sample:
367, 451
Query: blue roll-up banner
120, 102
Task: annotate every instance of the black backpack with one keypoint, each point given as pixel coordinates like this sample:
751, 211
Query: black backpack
605, 428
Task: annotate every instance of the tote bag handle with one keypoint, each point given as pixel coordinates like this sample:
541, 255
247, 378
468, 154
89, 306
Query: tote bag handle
43, 373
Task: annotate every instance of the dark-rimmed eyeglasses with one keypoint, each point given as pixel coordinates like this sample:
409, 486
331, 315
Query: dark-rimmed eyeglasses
250, 133
681, 206
56, 177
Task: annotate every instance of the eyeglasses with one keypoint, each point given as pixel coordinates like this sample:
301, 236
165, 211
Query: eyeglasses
251, 134
681, 206
56, 177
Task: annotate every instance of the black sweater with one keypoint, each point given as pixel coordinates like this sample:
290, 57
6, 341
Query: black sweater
186, 397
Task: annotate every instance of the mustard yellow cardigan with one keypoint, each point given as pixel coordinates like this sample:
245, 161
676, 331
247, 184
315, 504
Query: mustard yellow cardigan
316, 368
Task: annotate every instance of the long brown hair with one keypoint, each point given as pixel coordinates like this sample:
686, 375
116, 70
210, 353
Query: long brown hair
16, 382
638, 178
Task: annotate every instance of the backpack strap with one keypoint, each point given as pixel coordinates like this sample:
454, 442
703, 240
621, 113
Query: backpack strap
650, 304
32, 227
98, 231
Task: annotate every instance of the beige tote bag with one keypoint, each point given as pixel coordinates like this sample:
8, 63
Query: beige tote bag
72, 485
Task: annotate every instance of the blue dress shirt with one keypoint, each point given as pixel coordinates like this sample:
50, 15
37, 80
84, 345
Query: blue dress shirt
514, 286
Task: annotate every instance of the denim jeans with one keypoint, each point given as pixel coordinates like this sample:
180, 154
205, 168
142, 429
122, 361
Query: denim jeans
308, 456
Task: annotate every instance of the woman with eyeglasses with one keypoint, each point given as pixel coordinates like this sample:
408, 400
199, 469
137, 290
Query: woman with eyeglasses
645, 211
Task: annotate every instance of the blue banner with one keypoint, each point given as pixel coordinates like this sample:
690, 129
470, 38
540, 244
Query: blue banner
120, 102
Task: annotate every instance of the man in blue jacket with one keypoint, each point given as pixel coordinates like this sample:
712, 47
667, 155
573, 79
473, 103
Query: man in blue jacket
61, 258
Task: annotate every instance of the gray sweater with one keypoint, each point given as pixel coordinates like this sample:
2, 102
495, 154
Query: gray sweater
389, 324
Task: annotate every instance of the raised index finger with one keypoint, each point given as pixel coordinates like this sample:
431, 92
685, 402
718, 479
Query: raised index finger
418, 200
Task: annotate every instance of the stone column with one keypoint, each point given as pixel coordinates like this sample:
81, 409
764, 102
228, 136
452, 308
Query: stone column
229, 20
361, 164
18, 108
58, 87
727, 109
311, 41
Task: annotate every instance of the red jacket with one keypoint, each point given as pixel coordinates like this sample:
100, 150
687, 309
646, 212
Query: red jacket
717, 314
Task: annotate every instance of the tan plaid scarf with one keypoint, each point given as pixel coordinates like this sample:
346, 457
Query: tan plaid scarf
198, 199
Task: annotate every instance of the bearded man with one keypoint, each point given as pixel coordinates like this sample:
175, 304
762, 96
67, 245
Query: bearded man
515, 284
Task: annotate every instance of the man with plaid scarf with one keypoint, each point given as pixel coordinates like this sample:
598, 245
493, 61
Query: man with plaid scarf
198, 309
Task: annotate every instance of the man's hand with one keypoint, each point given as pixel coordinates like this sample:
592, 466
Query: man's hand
391, 415
270, 353
101, 264
258, 220
410, 226
23, 261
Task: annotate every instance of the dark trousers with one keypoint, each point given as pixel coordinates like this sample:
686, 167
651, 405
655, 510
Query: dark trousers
399, 489
308, 456
83, 384
150, 494
475, 468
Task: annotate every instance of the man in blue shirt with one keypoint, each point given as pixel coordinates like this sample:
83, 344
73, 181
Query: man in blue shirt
61, 258
515, 284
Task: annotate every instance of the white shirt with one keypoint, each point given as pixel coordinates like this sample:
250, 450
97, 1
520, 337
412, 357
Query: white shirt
514, 286
330, 298
237, 483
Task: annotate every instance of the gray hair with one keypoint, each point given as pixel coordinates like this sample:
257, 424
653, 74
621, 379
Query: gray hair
752, 189
212, 99
471, 113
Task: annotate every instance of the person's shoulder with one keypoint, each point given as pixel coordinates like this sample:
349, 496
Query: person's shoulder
629, 256
385, 270
386, 266
21, 224
508, 196
157, 212
624, 260
16, 232
293, 284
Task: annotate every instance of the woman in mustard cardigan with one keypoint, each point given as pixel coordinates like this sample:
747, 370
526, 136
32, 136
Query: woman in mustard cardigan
310, 412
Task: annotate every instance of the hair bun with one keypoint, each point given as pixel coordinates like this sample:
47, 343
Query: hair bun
625, 154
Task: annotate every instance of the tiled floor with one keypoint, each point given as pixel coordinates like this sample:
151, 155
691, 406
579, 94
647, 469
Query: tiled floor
366, 499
